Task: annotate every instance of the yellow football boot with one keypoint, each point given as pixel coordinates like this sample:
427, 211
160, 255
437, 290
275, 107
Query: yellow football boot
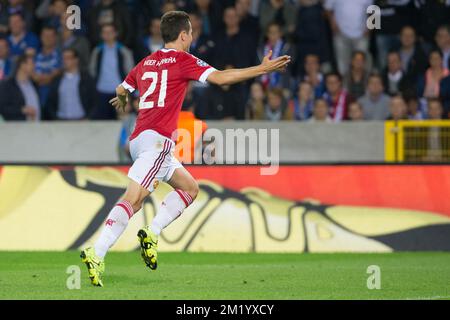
149, 246
95, 266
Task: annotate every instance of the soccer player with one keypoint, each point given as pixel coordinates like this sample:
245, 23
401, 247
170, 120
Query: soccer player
161, 79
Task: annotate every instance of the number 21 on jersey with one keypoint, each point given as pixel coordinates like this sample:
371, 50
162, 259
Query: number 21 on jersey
151, 89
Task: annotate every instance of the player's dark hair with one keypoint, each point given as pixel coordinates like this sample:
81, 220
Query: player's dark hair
173, 23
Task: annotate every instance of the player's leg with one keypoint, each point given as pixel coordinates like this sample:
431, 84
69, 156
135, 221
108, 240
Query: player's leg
173, 205
186, 190
118, 218
115, 225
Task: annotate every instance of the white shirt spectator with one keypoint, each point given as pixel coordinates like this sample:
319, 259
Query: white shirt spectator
350, 16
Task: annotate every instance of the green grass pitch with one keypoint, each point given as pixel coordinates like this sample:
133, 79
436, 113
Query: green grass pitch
42, 275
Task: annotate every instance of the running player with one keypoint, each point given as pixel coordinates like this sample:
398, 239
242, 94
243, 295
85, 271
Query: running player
161, 79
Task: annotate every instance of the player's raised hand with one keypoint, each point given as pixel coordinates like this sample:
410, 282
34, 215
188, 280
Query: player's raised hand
278, 64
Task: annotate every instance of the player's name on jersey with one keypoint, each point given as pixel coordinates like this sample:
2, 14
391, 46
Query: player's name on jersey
160, 62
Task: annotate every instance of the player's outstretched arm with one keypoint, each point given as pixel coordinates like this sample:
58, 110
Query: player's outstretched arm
121, 98
232, 76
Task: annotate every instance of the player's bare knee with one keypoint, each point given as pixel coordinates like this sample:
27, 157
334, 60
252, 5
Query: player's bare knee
193, 189
134, 201
137, 206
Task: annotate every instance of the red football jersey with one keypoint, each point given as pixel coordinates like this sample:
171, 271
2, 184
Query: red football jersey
162, 79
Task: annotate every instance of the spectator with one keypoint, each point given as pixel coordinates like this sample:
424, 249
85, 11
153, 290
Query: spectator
336, 97
168, 5
279, 11
311, 34
276, 108
436, 144
69, 40
303, 103
279, 47
348, 23
413, 106
435, 110
355, 112
19, 99
394, 16
51, 11
429, 83
225, 102
247, 22
108, 12
110, 63
5, 62
151, 42
320, 112
443, 42
72, 95
432, 14
355, 81
211, 15
375, 102
255, 104
313, 75
19, 39
12, 7
394, 78
398, 110
411, 53
232, 44
48, 63
203, 8
202, 45
255, 7
445, 96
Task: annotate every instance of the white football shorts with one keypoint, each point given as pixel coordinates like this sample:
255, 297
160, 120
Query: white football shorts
154, 160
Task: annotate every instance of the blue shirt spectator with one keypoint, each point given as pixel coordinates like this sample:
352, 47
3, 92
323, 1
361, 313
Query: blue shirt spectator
110, 63
19, 39
5, 61
109, 74
48, 63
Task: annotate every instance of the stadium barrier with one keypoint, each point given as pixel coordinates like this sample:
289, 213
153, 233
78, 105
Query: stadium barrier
303, 208
97, 142
417, 141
